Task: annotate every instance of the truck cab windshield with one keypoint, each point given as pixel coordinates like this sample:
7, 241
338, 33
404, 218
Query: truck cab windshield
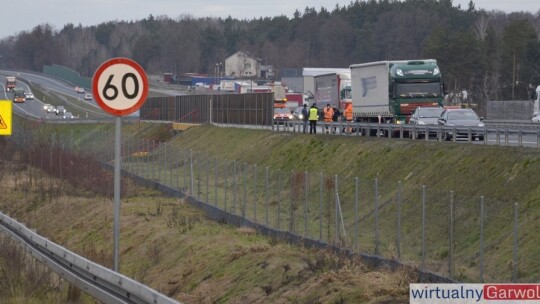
415, 90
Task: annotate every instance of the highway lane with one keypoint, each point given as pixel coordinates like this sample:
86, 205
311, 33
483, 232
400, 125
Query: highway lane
526, 135
34, 108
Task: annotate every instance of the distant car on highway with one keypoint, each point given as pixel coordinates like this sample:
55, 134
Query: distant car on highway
88, 97
423, 116
79, 90
28, 95
46, 107
461, 118
51, 109
68, 115
60, 110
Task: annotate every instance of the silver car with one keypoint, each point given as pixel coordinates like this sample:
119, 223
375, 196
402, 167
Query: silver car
424, 116
462, 120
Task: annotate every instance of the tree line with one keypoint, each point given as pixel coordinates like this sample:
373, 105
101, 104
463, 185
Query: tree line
491, 54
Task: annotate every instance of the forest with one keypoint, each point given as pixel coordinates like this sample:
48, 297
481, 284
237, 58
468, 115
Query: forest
491, 54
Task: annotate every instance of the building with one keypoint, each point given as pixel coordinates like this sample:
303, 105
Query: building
242, 64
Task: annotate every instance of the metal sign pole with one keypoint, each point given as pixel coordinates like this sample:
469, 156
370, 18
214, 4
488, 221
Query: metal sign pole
120, 87
117, 167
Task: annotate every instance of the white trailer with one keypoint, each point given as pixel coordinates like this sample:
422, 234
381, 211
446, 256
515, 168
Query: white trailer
389, 91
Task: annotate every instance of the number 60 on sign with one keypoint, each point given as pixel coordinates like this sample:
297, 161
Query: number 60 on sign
120, 86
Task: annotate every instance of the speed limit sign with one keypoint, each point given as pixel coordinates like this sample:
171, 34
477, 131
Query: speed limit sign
120, 86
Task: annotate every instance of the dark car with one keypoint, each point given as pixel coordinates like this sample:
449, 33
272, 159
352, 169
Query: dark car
462, 120
424, 116
282, 116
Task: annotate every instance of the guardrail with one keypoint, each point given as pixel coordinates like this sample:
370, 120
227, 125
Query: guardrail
491, 134
102, 283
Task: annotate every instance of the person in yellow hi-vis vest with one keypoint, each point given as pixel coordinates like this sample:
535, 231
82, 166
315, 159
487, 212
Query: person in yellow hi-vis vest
313, 117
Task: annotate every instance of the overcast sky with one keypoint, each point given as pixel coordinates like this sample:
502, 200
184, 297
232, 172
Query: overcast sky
24, 15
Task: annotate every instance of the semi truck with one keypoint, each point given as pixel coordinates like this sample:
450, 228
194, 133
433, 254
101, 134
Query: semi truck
333, 89
11, 83
389, 91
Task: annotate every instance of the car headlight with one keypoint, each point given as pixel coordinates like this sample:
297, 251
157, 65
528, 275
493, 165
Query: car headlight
399, 72
301, 116
291, 116
436, 71
481, 124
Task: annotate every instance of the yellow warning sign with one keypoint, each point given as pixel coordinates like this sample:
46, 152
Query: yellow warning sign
6, 109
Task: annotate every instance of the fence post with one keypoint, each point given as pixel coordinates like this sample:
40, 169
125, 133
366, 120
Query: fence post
216, 181
356, 213
235, 188
320, 205
186, 159
515, 265
225, 187
423, 263
336, 212
279, 200
256, 200
398, 233
306, 234
376, 211
207, 178
165, 166
199, 177
245, 191
451, 238
291, 202
192, 188
266, 195
481, 262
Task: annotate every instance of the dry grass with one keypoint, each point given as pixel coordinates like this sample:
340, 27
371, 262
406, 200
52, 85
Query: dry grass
205, 262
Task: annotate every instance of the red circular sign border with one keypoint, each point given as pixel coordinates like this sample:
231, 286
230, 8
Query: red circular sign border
101, 69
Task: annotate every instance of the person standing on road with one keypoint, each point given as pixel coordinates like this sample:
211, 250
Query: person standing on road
336, 118
313, 117
348, 116
305, 114
328, 114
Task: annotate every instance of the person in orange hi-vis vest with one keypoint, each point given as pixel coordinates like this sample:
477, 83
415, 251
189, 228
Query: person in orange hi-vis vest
348, 116
328, 113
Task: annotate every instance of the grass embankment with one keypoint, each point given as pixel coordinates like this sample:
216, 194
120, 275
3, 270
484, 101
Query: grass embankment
504, 176
173, 248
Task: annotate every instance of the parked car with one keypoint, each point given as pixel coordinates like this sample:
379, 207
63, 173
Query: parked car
424, 116
536, 118
282, 116
462, 119
88, 97
68, 115
60, 110
297, 114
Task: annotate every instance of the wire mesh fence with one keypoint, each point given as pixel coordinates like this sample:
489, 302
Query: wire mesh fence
463, 237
